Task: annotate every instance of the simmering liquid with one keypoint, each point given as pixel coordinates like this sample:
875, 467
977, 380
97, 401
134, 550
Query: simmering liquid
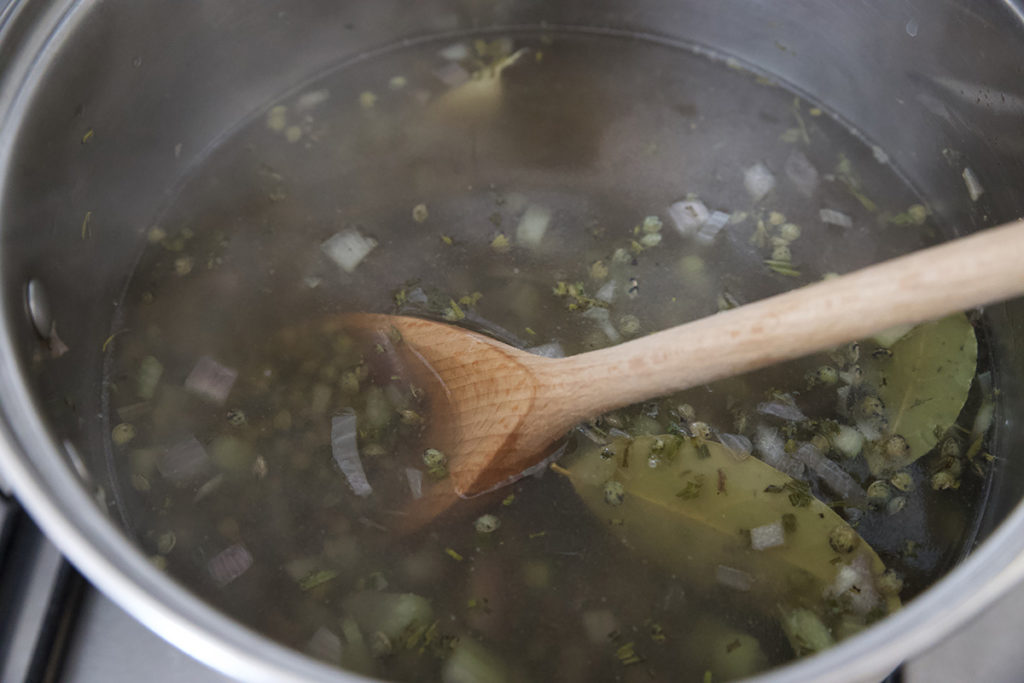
561, 192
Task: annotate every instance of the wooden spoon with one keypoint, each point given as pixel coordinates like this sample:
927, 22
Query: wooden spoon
497, 411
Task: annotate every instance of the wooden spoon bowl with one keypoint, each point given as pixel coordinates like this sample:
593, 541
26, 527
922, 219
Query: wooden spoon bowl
497, 411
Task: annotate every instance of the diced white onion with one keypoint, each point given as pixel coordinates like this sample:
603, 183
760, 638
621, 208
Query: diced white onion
600, 316
801, 173
549, 350
183, 461
712, 226
772, 449
869, 430
759, 181
974, 188
150, 372
348, 248
211, 380
308, 100
229, 564
533, 225
767, 536
346, 452
891, 335
607, 292
738, 445
841, 483
731, 577
324, 645
782, 410
855, 582
454, 52
833, 217
983, 418
209, 487
415, 479
688, 216
848, 441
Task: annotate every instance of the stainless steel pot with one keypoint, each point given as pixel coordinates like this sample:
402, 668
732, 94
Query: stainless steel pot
936, 85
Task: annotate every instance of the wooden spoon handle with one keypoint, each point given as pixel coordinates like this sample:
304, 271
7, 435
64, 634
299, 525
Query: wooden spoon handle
982, 268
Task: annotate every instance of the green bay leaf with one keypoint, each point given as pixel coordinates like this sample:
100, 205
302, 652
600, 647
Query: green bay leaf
692, 512
924, 386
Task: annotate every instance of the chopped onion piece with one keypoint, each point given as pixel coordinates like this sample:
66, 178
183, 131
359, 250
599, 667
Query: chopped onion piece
348, 248
455, 52
759, 181
856, 583
183, 461
207, 489
211, 380
738, 446
415, 479
890, 336
311, 99
974, 188
346, 452
841, 483
549, 350
985, 382
736, 579
782, 410
712, 226
600, 316
801, 173
848, 441
688, 216
533, 225
983, 418
767, 536
869, 430
833, 217
324, 645
150, 372
229, 564
607, 292
772, 449
599, 625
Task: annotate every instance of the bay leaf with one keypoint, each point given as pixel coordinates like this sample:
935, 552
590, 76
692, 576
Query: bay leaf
690, 507
923, 385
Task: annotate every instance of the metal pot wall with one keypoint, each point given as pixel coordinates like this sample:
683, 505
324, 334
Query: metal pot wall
156, 77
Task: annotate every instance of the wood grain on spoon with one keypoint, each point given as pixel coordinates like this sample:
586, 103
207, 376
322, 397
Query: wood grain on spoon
497, 410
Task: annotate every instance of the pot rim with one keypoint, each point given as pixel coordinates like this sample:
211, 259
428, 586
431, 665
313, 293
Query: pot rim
31, 463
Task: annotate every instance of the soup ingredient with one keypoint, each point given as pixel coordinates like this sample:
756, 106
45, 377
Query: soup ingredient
744, 515
923, 387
